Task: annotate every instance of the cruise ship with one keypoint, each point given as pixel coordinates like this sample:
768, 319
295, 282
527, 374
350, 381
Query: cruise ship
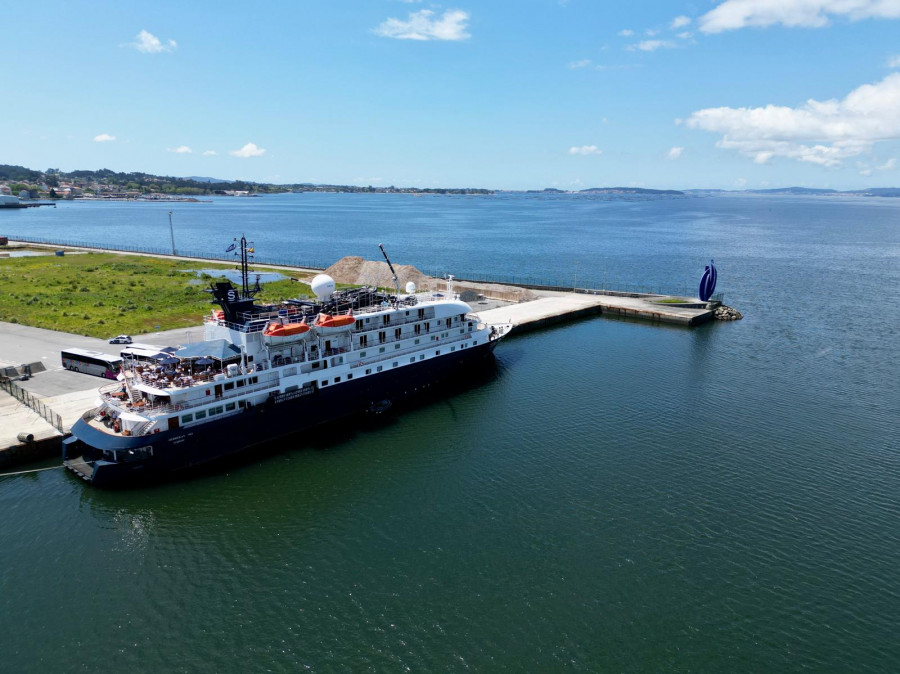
269, 371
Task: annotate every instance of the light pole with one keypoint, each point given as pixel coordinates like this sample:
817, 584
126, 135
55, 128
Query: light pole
172, 233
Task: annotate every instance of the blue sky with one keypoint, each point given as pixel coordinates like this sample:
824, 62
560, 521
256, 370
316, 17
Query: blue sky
525, 95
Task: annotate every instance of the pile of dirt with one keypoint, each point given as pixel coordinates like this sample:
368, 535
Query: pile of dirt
355, 270
358, 271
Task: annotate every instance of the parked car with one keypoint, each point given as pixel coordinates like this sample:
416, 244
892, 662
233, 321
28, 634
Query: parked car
121, 339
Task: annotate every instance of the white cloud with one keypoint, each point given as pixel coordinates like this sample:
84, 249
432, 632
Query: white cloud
585, 150
889, 165
103, 138
420, 26
181, 149
675, 153
686, 35
740, 182
650, 32
583, 63
148, 43
626, 32
249, 150
680, 22
819, 132
209, 153
894, 61
735, 14
652, 45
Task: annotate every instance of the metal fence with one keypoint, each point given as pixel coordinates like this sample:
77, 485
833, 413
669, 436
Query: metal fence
610, 286
535, 282
199, 255
34, 403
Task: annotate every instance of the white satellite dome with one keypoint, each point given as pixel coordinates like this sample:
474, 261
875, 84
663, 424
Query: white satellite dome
323, 286
410, 287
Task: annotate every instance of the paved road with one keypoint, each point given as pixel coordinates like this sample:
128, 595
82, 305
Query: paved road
22, 344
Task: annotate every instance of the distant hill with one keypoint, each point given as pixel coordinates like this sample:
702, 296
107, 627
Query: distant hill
626, 190
203, 179
792, 190
879, 192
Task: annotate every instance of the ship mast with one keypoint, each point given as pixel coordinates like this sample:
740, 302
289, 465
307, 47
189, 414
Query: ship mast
246, 252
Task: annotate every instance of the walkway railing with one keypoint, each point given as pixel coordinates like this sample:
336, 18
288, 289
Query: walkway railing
33, 402
199, 255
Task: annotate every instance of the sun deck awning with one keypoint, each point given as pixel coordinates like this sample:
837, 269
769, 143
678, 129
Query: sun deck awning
218, 349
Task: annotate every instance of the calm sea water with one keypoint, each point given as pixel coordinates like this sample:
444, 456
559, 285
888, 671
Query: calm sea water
614, 496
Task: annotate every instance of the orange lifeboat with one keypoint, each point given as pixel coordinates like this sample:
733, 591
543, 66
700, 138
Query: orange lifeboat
288, 332
329, 324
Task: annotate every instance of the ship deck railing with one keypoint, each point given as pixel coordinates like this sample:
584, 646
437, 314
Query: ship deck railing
437, 343
153, 409
256, 322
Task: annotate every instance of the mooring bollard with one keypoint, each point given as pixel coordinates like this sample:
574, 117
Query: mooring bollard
25, 437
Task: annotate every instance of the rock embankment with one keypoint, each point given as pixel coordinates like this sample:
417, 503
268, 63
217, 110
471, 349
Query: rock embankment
726, 313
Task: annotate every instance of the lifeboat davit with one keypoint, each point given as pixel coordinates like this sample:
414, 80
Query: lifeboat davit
278, 333
326, 324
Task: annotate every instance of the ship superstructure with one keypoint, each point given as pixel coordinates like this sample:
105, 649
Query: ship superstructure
267, 371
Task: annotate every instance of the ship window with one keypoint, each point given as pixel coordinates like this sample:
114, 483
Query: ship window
382, 335
201, 414
337, 379
379, 368
417, 328
462, 331
449, 322
407, 313
422, 357
362, 354
394, 364
187, 418
290, 372
428, 326
324, 382
229, 407
229, 385
369, 371
363, 340
359, 325
396, 346
249, 359
239, 383
386, 319
316, 365
417, 341
381, 350
398, 332
453, 348
421, 313
253, 380
412, 360
437, 352
291, 388
349, 376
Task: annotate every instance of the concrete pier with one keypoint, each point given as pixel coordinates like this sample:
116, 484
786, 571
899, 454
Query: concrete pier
556, 307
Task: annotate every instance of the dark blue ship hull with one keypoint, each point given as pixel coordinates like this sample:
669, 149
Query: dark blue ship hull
117, 460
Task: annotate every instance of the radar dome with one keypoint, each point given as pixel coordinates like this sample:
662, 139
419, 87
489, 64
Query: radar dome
323, 286
410, 287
